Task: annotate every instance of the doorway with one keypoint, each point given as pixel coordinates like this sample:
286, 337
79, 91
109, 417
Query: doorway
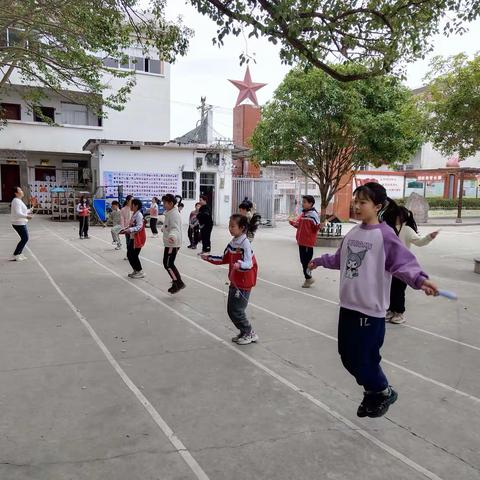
10, 177
207, 187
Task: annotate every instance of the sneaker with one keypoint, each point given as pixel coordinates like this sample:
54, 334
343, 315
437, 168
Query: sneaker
308, 283
87, 237
379, 403
177, 285
81, 237
247, 338
363, 407
132, 274
389, 315
138, 275
22, 257
18, 258
236, 338
397, 318
118, 247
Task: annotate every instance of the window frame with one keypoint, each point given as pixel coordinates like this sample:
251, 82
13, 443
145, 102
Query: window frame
189, 185
18, 107
38, 119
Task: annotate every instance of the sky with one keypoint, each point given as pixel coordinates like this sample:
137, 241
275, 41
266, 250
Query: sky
205, 70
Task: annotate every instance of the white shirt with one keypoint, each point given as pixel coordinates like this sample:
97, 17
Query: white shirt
172, 228
408, 236
18, 212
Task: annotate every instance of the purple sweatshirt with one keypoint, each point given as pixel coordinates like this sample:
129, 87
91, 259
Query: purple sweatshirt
367, 258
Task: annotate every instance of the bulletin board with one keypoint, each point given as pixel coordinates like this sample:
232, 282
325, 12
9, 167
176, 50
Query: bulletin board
141, 184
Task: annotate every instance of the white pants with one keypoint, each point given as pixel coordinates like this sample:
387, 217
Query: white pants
115, 234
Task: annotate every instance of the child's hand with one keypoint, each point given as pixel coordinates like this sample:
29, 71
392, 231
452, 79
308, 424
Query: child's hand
429, 288
237, 265
204, 256
171, 240
312, 265
433, 235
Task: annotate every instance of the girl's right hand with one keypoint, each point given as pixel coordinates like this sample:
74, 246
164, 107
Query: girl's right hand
312, 265
433, 235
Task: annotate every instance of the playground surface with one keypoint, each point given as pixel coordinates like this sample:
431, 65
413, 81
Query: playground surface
103, 377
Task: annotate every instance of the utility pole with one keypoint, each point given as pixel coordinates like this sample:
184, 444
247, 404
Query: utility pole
460, 198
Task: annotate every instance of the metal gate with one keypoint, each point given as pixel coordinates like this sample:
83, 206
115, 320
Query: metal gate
260, 191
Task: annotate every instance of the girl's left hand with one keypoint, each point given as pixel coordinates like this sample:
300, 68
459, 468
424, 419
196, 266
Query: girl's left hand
237, 265
430, 288
171, 240
312, 266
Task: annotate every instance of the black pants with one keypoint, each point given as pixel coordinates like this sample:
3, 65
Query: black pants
306, 255
360, 338
194, 235
133, 254
169, 256
83, 226
397, 296
23, 233
206, 232
153, 225
236, 305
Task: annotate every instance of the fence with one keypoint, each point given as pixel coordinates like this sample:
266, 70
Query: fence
260, 191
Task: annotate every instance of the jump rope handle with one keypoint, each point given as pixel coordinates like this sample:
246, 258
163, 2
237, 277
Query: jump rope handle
447, 294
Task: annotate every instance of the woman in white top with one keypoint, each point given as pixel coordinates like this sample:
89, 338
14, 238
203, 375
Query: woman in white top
402, 221
172, 241
20, 215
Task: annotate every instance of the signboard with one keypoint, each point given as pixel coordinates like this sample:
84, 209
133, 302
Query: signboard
141, 184
392, 183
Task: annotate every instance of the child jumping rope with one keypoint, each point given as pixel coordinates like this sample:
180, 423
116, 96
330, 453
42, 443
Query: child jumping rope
116, 218
136, 238
172, 240
368, 257
154, 217
83, 210
242, 274
402, 221
307, 225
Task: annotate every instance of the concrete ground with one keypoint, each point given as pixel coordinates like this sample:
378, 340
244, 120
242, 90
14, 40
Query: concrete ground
106, 378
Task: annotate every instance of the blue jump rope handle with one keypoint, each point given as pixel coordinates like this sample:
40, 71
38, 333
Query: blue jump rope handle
447, 294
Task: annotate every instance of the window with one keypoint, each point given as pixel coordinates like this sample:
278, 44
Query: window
207, 179
10, 111
188, 185
74, 114
156, 66
110, 62
139, 64
11, 37
47, 113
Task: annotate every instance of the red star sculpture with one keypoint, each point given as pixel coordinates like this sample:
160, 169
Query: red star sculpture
247, 88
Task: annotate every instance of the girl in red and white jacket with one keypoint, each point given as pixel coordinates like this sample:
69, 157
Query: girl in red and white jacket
242, 273
307, 225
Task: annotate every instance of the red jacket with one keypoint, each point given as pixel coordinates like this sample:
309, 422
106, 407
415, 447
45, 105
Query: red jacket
239, 249
307, 225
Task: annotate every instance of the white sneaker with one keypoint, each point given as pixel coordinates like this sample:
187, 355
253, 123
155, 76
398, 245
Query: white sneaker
308, 283
248, 338
389, 315
118, 247
138, 275
236, 338
19, 258
397, 318
132, 274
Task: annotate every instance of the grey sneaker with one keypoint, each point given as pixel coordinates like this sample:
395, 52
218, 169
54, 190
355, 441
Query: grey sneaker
389, 315
247, 338
138, 275
132, 274
308, 283
236, 338
397, 318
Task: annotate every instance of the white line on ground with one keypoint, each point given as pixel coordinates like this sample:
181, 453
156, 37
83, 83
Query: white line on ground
338, 416
317, 297
169, 433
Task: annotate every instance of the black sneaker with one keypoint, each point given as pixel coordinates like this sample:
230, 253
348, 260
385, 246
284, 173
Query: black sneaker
177, 285
366, 402
378, 404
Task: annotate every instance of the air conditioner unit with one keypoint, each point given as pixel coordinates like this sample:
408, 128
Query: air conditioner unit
198, 162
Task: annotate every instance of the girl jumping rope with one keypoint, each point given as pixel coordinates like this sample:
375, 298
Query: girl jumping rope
242, 274
368, 257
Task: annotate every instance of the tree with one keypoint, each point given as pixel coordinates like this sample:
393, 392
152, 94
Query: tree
376, 33
452, 101
58, 46
328, 128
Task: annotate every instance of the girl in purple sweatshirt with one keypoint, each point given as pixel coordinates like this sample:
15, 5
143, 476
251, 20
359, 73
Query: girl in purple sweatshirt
367, 258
